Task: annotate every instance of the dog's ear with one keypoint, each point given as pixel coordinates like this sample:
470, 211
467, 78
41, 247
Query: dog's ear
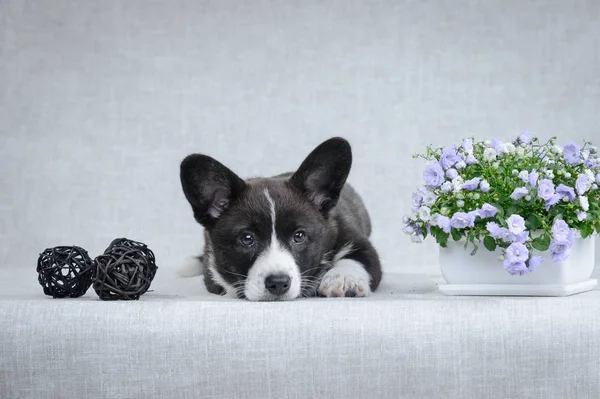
323, 173
209, 187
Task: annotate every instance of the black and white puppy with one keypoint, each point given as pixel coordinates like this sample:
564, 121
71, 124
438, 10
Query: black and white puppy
297, 234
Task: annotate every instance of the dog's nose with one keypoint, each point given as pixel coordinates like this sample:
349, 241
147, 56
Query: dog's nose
278, 284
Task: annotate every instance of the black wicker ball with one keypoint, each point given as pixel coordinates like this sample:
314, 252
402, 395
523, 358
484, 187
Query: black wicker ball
125, 270
65, 271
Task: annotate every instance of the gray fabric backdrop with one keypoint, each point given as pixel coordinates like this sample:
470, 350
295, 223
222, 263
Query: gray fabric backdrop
99, 101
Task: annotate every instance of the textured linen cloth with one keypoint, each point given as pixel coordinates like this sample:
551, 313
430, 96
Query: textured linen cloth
406, 341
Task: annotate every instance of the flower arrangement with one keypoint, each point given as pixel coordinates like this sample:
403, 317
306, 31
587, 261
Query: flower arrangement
518, 196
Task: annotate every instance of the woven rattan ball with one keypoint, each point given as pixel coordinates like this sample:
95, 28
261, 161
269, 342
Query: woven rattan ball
125, 270
65, 271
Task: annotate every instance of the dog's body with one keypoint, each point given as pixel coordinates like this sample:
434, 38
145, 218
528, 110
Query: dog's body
296, 234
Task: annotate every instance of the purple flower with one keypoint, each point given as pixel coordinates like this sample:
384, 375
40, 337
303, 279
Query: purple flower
460, 220
449, 157
494, 230
484, 186
515, 268
417, 199
451, 173
434, 174
496, 143
559, 250
581, 216
562, 232
498, 232
566, 191
522, 237
545, 189
552, 201
517, 252
471, 184
582, 184
571, 153
533, 177
534, 262
487, 211
471, 160
519, 193
589, 163
443, 222
524, 137
598, 178
516, 224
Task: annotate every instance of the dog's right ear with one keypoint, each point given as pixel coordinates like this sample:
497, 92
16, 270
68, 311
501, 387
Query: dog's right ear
209, 187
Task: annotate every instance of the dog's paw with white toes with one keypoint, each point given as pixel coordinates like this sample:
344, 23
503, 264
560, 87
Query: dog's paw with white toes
347, 278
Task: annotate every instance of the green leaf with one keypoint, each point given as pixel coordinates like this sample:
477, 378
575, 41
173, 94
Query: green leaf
456, 235
474, 251
512, 210
534, 222
441, 237
490, 243
587, 230
541, 243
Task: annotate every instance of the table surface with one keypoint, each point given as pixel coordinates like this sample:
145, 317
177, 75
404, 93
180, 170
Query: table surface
406, 340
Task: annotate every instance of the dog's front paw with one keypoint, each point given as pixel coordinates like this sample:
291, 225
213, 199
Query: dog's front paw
347, 278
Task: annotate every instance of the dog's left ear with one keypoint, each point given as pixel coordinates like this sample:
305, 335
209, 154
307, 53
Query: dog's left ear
323, 173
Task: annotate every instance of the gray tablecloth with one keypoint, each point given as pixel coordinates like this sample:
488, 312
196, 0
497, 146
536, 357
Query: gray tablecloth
407, 341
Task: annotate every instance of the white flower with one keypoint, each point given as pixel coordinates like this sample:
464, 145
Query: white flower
447, 186
487, 143
429, 198
467, 145
460, 165
425, 213
550, 174
433, 220
476, 196
583, 201
508, 148
496, 164
590, 174
445, 211
457, 183
568, 175
459, 196
528, 198
556, 149
489, 154
524, 175
521, 151
460, 203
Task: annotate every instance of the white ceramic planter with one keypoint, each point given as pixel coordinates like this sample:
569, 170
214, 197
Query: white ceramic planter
482, 274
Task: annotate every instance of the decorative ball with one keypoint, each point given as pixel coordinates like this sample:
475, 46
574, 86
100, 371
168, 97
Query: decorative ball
124, 271
65, 271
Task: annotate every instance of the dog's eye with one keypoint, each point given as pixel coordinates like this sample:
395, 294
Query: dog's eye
247, 239
299, 237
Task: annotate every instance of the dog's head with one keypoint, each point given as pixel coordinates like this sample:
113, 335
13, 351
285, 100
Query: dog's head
268, 236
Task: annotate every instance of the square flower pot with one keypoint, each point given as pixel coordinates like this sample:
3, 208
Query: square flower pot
483, 274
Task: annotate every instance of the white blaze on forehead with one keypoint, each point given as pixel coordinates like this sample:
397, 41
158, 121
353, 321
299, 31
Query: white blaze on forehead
274, 260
